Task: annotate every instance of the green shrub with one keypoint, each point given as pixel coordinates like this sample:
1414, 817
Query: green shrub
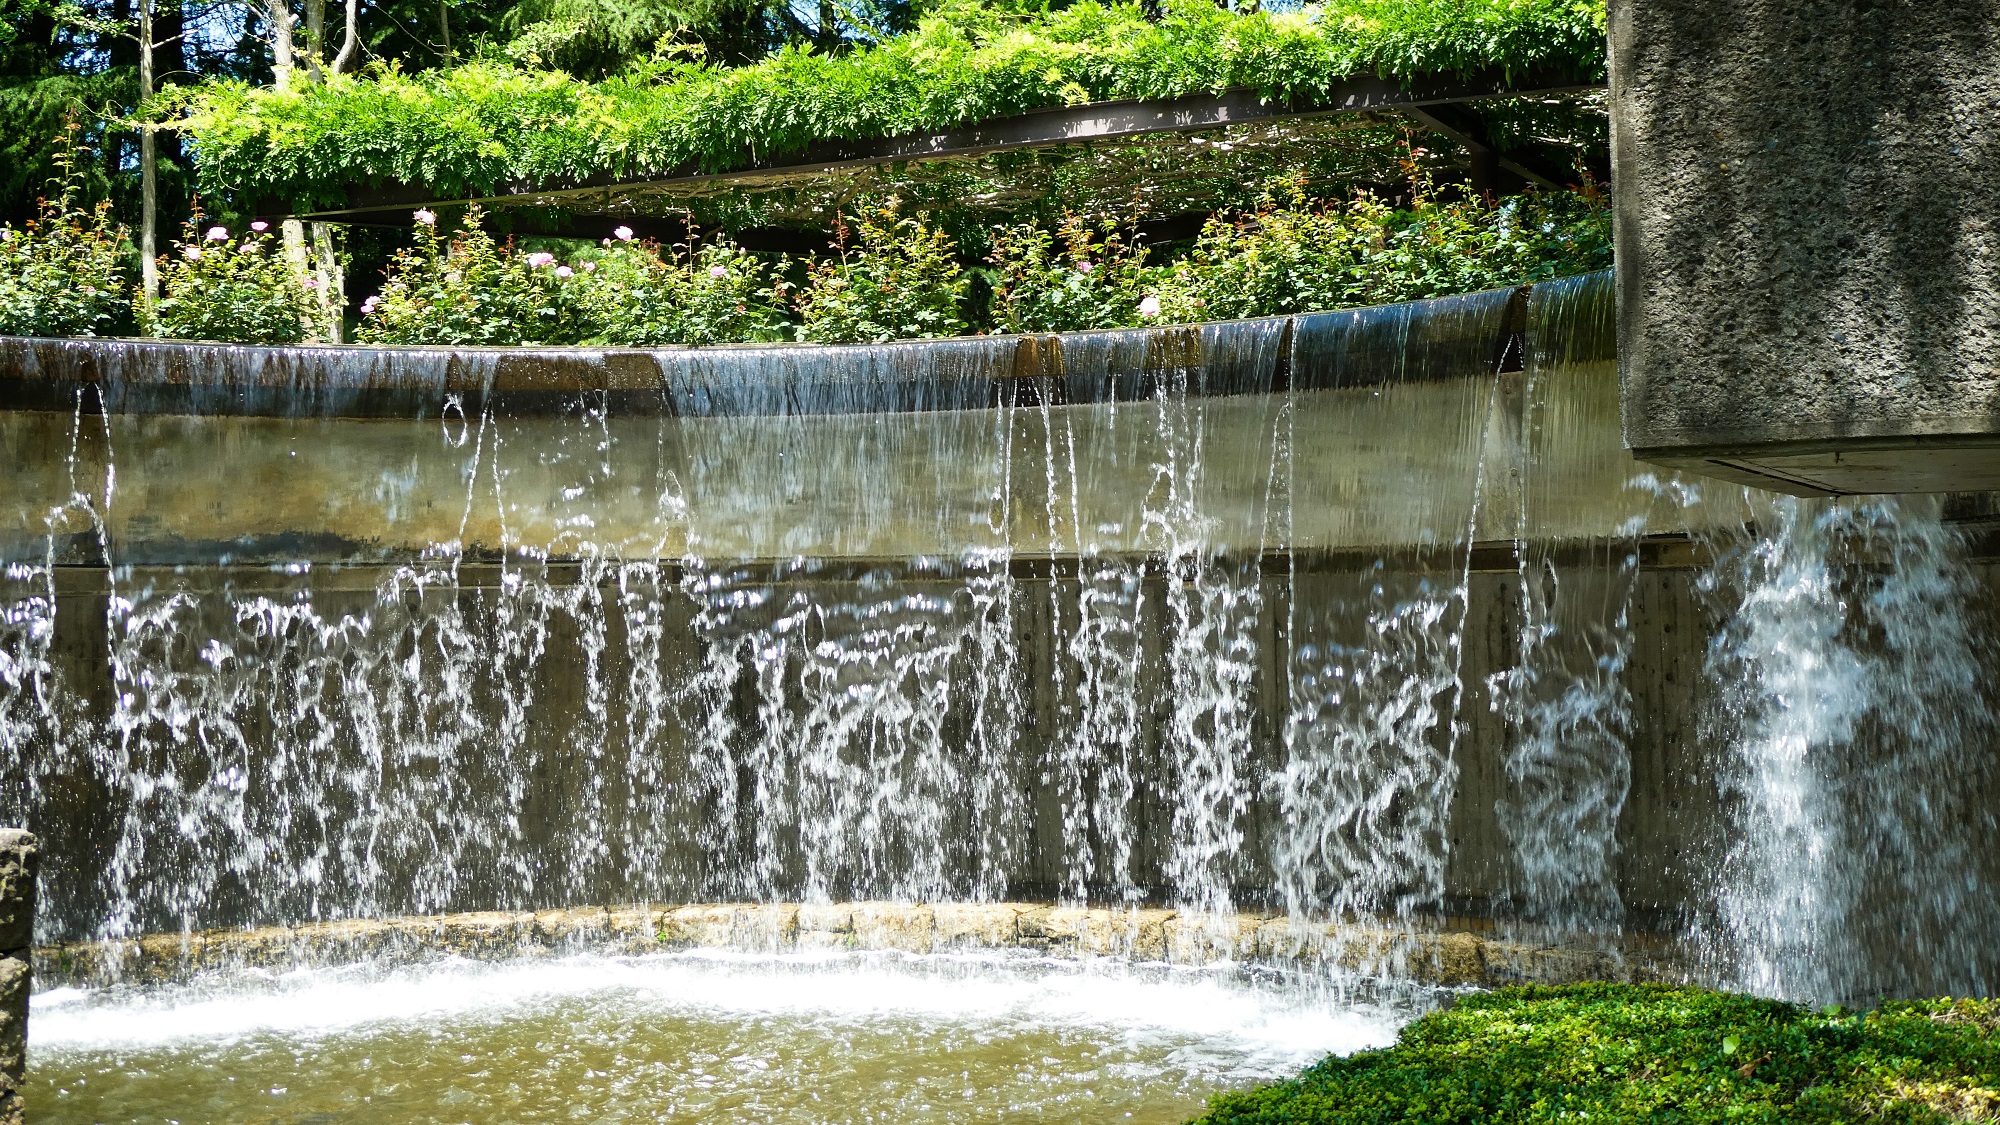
715, 293
214, 287
466, 289
63, 274
1301, 258
1061, 281
1645, 1053
898, 280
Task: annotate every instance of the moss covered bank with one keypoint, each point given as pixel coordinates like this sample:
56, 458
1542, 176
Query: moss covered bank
1652, 1053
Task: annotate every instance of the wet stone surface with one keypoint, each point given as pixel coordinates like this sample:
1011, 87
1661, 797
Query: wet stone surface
17, 917
1451, 958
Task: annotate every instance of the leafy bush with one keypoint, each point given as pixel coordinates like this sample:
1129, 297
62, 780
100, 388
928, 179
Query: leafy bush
716, 293
900, 280
63, 273
213, 287
1069, 279
466, 289
465, 131
1302, 258
1645, 1053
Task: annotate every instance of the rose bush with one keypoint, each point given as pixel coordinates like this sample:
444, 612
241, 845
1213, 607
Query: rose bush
214, 286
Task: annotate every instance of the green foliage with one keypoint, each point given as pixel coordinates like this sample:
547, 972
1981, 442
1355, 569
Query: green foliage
899, 281
1646, 1053
1075, 277
716, 293
213, 287
36, 119
62, 274
1301, 258
467, 130
466, 289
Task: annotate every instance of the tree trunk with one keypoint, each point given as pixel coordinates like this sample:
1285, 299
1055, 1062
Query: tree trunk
332, 283
350, 43
278, 13
829, 26
149, 174
296, 255
315, 38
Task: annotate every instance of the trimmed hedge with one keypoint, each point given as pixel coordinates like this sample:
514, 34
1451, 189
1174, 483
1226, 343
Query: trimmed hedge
1651, 1053
470, 130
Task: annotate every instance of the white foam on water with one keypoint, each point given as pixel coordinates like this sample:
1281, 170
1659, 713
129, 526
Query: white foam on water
1222, 1020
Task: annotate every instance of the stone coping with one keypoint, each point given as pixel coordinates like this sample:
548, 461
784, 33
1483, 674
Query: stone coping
1453, 957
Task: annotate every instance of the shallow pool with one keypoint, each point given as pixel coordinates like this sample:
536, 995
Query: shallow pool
688, 1037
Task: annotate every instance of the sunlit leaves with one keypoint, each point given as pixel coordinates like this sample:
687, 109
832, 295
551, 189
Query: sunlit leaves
473, 129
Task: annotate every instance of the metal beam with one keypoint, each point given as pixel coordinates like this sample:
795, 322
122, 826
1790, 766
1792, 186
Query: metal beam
1080, 124
1465, 127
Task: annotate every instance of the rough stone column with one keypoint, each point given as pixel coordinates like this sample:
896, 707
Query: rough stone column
1808, 206
17, 936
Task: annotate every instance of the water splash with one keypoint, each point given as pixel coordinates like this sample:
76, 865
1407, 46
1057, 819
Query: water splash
1852, 708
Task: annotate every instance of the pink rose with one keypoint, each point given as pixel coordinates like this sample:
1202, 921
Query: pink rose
539, 259
1149, 307
191, 253
217, 234
565, 271
260, 226
718, 272
311, 283
622, 234
590, 267
427, 217
1085, 267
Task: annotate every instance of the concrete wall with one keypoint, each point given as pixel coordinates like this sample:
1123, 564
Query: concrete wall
668, 843
1809, 240
17, 922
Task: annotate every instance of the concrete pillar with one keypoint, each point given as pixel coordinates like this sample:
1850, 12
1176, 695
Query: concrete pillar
1808, 199
17, 937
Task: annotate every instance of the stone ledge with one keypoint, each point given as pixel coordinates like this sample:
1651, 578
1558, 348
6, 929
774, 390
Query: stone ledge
1450, 957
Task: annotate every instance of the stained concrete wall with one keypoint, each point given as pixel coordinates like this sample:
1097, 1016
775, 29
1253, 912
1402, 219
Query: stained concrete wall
1809, 240
17, 925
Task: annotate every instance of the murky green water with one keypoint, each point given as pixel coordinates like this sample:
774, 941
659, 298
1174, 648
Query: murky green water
684, 1038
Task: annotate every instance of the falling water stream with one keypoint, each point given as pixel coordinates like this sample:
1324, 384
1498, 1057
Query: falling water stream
1349, 618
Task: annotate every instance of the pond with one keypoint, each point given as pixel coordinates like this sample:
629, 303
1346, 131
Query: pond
687, 1037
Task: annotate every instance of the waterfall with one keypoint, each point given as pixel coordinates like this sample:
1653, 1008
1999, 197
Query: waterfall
1365, 617
1857, 755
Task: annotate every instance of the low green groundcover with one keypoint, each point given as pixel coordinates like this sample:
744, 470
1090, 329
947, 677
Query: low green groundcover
1652, 1053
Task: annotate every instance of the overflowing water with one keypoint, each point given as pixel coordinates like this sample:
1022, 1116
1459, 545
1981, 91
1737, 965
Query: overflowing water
1348, 615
